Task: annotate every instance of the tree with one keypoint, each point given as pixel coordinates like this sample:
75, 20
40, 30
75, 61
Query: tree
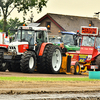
21, 5
14, 23
1, 25
11, 24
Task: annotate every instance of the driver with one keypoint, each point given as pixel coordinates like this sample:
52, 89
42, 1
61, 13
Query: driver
64, 50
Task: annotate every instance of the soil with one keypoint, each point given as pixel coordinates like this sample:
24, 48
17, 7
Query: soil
37, 87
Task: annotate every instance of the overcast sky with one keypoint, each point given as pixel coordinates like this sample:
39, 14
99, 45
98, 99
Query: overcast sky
67, 7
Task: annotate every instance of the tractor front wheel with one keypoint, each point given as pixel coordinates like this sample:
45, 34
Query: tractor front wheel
28, 62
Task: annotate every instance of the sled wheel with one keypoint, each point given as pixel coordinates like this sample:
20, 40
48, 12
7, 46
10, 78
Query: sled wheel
77, 68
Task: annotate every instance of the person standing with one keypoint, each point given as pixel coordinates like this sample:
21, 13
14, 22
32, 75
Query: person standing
64, 50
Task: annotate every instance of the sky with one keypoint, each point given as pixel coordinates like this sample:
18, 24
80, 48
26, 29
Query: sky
85, 8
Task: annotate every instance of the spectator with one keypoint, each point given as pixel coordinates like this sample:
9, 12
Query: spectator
64, 50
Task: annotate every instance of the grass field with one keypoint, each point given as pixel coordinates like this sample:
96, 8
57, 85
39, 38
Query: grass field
45, 79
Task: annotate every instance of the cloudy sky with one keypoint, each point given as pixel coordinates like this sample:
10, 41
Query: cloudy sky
67, 7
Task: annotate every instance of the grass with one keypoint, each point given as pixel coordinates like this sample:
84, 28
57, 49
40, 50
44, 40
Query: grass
45, 79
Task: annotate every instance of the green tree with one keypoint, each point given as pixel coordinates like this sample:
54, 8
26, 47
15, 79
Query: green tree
13, 24
21, 5
1, 25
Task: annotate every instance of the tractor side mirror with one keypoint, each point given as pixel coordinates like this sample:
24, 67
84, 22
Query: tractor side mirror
75, 39
75, 42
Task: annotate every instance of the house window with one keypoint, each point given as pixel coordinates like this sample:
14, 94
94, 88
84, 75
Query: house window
48, 25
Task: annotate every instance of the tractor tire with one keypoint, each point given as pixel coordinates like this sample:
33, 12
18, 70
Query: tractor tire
51, 60
10, 68
15, 67
42, 67
97, 62
3, 65
28, 62
77, 68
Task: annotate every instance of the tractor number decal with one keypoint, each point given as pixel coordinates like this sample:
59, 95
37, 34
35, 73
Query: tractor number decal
82, 58
74, 57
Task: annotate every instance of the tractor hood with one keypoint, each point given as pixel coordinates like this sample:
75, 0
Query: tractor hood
17, 43
72, 48
18, 47
86, 50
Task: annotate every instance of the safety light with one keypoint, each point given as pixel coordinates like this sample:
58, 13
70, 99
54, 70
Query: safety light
59, 31
3, 34
23, 24
48, 26
35, 44
77, 31
53, 37
90, 25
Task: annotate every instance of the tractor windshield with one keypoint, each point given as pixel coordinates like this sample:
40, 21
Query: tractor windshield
98, 43
55, 39
26, 35
68, 39
88, 41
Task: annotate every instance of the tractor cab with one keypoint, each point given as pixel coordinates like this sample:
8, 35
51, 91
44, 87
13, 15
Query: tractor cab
28, 37
90, 40
70, 40
89, 56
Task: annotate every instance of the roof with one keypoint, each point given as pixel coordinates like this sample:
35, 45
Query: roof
34, 24
32, 27
69, 22
71, 33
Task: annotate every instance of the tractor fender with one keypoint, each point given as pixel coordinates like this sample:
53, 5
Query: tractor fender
4, 48
32, 51
96, 56
42, 48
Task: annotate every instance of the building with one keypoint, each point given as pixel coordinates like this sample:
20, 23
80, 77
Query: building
59, 22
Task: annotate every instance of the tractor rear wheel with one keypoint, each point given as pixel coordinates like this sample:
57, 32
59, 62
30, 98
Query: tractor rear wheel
28, 62
54, 59
97, 62
41, 66
77, 68
51, 60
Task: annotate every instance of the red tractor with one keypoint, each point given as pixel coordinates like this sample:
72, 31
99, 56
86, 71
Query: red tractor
88, 58
31, 51
4, 41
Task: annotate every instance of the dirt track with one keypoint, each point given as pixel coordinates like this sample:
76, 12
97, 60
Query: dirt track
10, 87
